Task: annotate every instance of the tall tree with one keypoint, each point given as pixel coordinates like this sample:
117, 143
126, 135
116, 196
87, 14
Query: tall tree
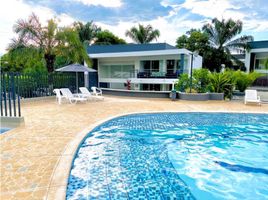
23, 59
194, 40
70, 46
107, 38
46, 38
143, 34
87, 32
223, 35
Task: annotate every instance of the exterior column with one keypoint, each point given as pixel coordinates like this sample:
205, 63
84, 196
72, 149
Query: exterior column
164, 67
181, 64
137, 67
247, 61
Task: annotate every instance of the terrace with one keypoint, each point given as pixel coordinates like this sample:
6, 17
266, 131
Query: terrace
36, 157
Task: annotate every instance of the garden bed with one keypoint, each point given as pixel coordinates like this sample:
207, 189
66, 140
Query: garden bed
200, 96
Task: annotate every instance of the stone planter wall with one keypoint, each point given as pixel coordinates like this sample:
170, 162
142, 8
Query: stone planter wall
201, 96
216, 96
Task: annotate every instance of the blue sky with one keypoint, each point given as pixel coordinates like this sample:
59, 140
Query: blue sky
171, 17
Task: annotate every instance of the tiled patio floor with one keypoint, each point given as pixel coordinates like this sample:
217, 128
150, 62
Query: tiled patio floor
36, 157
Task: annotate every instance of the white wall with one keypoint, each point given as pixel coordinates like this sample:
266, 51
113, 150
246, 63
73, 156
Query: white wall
135, 61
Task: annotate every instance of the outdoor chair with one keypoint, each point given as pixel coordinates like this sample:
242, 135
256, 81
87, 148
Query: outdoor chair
85, 93
251, 96
96, 91
59, 97
73, 98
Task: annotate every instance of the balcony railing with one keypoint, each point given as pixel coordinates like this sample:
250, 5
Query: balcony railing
142, 74
157, 74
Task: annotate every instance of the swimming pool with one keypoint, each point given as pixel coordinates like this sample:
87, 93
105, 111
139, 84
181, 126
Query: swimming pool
4, 129
173, 156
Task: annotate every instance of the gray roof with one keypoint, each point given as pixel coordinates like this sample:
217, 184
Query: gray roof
258, 44
75, 68
94, 49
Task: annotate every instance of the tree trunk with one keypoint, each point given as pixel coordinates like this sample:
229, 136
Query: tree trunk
50, 59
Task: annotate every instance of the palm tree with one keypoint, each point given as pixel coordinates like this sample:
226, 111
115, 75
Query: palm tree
222, 35
143, 34
87, 32
47, 39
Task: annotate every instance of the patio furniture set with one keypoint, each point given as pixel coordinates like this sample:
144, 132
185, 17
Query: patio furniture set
85, 95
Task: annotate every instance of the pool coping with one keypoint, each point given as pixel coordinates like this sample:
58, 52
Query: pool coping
59, 179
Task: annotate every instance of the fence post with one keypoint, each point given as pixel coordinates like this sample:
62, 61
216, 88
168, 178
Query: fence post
9, 96
1, 97
18, 94
13, 93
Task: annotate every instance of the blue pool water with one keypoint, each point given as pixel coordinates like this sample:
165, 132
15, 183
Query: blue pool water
173, 156
3, 129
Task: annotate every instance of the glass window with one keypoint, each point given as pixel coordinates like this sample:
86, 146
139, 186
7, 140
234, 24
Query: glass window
146, 65
128, 71
115, 71
155, 66
151, 87
150, 65
104, 71
170, 66
260, 64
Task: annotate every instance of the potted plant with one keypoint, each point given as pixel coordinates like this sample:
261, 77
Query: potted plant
173, 95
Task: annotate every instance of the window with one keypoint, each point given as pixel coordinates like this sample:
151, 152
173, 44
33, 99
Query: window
150, 66
116, 71
151, 87
155, 66
260, 64
172, 66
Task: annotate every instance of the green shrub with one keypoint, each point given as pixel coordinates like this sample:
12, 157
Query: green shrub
244, 80
187, 90
182, 83
221, 83
201, 80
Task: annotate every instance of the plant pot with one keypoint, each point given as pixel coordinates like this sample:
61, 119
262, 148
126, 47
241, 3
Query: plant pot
173, 95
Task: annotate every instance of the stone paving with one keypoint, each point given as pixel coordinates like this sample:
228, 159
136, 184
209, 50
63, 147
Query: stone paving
36, 157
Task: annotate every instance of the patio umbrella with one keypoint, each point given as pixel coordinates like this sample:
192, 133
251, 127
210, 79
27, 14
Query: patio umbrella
75, 68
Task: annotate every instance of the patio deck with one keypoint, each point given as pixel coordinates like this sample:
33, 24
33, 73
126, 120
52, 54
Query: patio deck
36, 157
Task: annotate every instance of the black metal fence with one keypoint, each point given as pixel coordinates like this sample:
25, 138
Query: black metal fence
40, 85
10, 98
16, 86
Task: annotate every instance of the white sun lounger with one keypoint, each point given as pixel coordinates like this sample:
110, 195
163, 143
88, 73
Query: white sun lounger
96, 91
84, 91
251, 96
59, 97
73, 98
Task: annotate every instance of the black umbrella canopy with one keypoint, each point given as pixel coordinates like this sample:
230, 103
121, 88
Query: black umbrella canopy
75, 68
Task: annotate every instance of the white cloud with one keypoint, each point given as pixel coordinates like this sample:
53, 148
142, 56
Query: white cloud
255, 25
12, 10
104, 3
221, 9
170, 30
210, 8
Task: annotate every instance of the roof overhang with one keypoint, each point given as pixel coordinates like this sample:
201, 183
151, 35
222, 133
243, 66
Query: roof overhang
140, 53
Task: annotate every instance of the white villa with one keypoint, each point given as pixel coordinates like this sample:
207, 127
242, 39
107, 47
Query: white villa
256, 56
141, 66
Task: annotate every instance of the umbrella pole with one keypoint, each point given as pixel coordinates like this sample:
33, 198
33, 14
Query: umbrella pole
76, 82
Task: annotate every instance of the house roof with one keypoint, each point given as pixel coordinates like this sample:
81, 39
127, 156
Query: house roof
258, 44
97, 49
